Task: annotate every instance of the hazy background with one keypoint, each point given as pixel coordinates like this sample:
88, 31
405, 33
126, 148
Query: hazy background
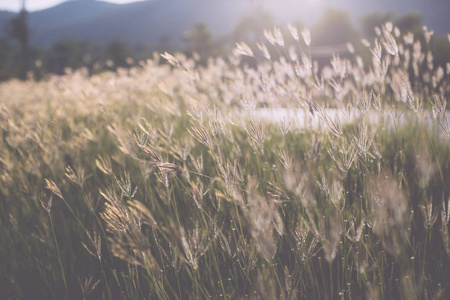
101, 35
32, 5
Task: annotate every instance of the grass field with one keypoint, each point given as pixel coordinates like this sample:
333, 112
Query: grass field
150, 183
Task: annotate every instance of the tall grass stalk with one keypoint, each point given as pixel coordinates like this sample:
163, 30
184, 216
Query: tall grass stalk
57, 251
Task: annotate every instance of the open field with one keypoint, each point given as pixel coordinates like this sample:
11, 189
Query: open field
164, 181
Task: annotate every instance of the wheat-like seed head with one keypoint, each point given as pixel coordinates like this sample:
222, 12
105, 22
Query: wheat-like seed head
87, 285
306, 34
51, 185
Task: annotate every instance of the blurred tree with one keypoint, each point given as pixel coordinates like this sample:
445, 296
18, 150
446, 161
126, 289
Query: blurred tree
199, 39
8, 56
250, 28
64, 54
68, 53
331, 34
335, 27
118, 52
440, 47
410, 23
18, 29
372, 20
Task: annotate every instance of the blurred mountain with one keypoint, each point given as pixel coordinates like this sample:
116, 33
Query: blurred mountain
139, 23
152, 21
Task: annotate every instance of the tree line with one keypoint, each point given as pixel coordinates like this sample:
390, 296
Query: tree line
19, 59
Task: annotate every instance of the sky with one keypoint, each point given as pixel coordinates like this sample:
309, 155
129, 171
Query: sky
31, 5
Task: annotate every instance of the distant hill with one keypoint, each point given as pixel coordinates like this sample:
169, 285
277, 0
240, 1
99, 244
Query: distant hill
147, 22
139, 23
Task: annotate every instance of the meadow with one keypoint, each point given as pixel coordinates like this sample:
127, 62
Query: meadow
163, 181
